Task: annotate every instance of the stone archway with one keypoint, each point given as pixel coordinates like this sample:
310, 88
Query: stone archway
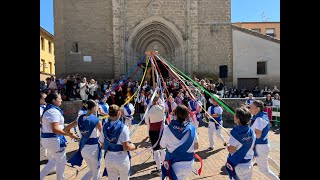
156, 33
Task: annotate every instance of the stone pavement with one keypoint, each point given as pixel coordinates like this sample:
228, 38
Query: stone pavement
213, 161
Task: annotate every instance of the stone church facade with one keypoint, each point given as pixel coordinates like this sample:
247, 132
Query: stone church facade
108, 37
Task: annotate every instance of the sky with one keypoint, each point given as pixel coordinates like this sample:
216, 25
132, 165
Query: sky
241, 11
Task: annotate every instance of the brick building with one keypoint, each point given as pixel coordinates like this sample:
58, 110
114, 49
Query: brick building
267, 28
107, 38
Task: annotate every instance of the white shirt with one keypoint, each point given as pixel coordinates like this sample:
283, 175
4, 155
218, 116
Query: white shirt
156, 113
169, 141
132, 109
41, 111
235, 143
276, 102
106, 104
217, 109
50, 116
140, 99
95, 131
81, 112
260, 124
82, 89
250, 101
124, 136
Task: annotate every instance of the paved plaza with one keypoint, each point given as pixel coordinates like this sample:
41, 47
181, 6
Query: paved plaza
213, 161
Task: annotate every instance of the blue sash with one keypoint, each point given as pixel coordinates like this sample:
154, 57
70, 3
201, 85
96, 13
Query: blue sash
86, 127
42, 107
180, 153
105, 108
83, 111
63, 140
218, 119
245, 135
248, 101
129, 112
192, 105
111, 136
147, 101
170, 108
265, 130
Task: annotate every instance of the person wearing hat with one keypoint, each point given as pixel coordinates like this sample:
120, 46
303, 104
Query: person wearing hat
250, 100
214, 126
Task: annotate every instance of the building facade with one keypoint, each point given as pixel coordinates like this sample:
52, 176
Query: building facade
107, 38
47, 60
267, 28
256, 59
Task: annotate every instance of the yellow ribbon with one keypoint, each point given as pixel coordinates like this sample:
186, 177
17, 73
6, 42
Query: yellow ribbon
145, 71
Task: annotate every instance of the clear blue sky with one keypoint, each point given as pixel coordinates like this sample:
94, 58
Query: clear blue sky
241, 11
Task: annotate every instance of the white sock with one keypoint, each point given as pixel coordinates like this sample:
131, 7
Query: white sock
157, 158
163, 155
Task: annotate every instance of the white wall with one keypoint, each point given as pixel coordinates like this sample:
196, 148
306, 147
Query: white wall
247, 51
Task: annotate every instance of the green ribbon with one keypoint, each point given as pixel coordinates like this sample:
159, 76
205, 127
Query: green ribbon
223, 104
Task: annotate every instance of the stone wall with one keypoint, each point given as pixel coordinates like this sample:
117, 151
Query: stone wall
234, 103
71, 109
194, 34
90, 25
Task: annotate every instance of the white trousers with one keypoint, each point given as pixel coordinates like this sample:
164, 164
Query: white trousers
117, 165
56, 156
159, 156
148, 126
90, 155
128, 122
244, 171
221, 93
183, 169
262, 160
194, 122
42, 149
211, 130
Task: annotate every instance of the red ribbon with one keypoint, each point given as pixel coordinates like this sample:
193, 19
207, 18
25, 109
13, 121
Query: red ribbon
199, 158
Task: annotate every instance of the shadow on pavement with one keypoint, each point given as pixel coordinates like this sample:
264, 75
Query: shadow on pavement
70, 154
144, 143
142, 167
206, 153
146, 176
224, 170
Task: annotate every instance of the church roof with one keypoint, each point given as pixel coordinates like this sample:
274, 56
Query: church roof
257, 34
